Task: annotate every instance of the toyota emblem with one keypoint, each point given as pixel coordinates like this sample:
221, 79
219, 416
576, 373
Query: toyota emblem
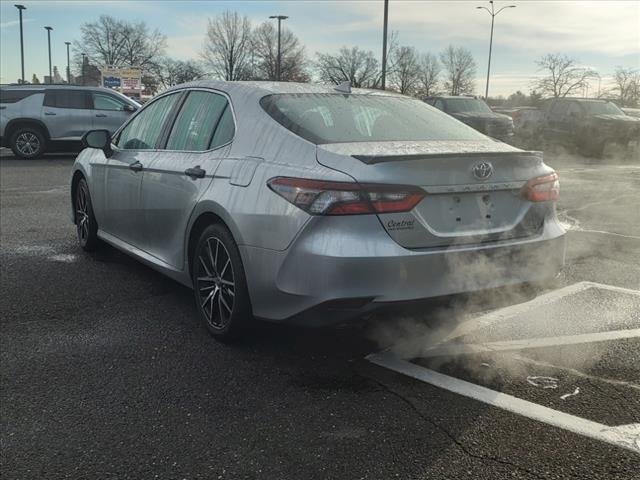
482, 170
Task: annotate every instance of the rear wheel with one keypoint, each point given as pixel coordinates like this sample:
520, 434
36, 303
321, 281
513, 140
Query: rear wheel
86, 225
27, 142
219, 283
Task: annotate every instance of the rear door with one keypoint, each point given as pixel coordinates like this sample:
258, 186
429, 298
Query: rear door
555, 121
193, 148
108, 111
66, 113
136, 146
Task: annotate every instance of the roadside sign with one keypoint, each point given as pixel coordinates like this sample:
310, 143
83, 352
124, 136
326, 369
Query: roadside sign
125, 80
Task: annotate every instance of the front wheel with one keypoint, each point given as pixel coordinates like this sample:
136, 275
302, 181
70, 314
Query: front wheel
219, 283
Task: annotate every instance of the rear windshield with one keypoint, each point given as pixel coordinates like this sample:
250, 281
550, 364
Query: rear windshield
339, 118
465, 105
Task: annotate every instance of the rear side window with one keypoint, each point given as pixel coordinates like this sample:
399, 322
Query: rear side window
226, 129
338, 118
66, 99
13, 96
196, 122
144, 130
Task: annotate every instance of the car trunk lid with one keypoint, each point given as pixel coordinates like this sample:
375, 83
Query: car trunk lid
473, 188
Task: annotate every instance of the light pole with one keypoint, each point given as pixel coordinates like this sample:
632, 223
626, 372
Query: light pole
493, 14
384, 44
83, 57
68, 66
48, 29
20, 9
280, 18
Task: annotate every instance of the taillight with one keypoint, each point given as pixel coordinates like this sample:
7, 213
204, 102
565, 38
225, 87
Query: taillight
319, 197
542, 189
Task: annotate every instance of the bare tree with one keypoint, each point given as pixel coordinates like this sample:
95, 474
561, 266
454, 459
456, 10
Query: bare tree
292, 57
563, 75
113, 42
350, 64
227, 46
429, 75
627, 86
460, 70
173, 72
404, 75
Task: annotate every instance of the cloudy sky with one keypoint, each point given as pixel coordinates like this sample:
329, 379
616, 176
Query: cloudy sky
600, 34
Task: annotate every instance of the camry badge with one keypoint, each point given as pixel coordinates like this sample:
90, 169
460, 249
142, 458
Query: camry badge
482, 170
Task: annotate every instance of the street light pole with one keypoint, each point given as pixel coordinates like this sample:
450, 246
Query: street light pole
48, 29
83, 56
68, 66
20, 9
384, 44
493, 14
280, 18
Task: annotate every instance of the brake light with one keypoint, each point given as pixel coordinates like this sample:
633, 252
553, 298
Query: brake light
318, 197
542, 189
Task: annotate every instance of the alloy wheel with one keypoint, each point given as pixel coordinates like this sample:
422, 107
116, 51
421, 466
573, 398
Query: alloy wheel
215, 283
82, 215
27, 143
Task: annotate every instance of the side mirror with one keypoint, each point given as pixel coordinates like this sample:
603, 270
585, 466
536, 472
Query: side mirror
98, 139
129, 108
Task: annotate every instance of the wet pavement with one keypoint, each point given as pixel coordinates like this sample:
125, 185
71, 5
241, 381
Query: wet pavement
106, 373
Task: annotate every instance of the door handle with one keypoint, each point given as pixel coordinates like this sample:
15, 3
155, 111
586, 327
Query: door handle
50, 113
136, 166
195, 172
100, 115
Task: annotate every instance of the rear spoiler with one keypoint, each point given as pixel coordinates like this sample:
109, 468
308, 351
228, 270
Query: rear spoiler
373, 159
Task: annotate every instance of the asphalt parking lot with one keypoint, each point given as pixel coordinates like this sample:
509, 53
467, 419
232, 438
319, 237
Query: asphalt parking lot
106, 373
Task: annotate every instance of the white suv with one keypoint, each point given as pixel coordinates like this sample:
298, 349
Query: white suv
35, 119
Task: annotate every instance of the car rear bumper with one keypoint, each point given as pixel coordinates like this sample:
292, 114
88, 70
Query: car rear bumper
341, 267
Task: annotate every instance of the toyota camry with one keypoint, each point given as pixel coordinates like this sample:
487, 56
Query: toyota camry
314, 204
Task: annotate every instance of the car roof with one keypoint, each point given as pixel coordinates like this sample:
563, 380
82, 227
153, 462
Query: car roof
268, 88
55, 86
447, 97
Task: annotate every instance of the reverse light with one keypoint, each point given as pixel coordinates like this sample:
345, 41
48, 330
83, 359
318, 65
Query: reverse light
318, 197
542, 189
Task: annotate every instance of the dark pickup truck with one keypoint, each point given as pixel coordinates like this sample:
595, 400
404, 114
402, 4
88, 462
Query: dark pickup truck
586, 124
475, 113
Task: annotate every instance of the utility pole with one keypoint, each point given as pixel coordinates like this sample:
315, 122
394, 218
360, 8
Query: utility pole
68, 66
20, 9
280, 18
384, 44
493, 14
48, 29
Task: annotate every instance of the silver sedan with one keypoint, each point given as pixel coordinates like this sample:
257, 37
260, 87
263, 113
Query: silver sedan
314, 204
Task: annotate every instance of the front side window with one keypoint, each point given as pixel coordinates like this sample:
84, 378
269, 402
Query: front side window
102, 101
77, 99
338, 118
600, 108
144, 130
196, 122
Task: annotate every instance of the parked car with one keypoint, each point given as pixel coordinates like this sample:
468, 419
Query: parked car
304, 203
35, 119
476, 113
587, 124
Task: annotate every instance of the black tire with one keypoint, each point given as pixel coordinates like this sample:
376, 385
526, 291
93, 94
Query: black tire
28, 142
85, 219
219, 284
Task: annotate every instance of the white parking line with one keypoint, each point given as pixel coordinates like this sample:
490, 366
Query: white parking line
625, 436
467, 348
